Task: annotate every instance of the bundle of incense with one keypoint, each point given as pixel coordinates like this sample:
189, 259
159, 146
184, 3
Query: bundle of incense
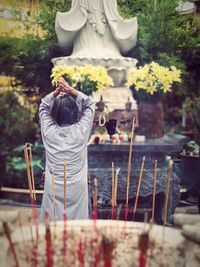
30, 175
168, 178
154, 191
49, 250
29, 165
95, 198
12, 247
113, 190
65, 185
138, 187
129, 169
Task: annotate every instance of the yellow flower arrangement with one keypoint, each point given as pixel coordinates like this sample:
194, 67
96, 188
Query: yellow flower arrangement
86, 78
152, 80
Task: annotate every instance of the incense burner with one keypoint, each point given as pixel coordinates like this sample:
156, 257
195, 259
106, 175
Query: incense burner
102, 155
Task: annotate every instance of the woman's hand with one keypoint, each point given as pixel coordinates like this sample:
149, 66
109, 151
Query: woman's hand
65, 88
57, 91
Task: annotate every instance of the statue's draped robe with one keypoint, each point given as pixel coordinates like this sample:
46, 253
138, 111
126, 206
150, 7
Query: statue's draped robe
66, 143
94, 28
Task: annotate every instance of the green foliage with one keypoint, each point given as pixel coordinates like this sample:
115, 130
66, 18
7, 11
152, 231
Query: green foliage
46, 18
16, 167
130, 8
8, 56
16, 124
29, 59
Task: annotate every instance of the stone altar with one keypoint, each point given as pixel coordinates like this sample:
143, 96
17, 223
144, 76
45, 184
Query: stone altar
100, 160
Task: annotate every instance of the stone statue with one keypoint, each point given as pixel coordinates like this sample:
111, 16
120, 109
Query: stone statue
126, 118
92, 32
94, 29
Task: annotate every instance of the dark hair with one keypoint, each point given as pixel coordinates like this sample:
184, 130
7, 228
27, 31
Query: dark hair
64, 110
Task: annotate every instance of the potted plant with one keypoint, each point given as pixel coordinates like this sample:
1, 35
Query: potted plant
87, 79
149, 84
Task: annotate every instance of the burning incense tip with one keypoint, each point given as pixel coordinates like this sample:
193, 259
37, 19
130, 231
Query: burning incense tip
117, 171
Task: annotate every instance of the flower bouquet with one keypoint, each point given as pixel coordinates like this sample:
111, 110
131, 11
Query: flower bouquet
86, 78
151, 81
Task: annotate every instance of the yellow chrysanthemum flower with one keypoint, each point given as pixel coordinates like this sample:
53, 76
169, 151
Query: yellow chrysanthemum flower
153, 78
96, 76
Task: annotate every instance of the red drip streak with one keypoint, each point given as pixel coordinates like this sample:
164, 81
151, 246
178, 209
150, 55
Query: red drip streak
65, 238
35, 220
35, 261
95, 218
97, 256
49, 250
126, 212
49, 254
81, 254
91, 263
7, 232
95, 213
108, 263
142, 259
112, 212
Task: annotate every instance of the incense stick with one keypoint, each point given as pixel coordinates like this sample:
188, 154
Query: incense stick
65, 184
154, 191
12, 247
28, 171
31, 169
113, 191
116, 186
138, 187
129, 161
95, 198
169, 173
113, 183
53, 195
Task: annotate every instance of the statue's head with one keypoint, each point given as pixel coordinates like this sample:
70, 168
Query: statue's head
64, 110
